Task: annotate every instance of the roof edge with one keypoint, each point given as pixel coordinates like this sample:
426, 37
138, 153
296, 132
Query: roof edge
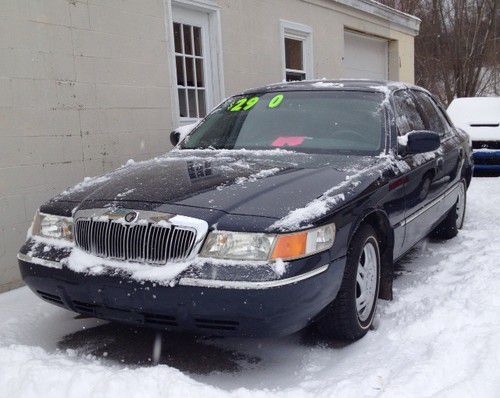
409, 22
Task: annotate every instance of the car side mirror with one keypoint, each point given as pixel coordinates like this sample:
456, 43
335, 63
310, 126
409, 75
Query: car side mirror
175, 137
422, 141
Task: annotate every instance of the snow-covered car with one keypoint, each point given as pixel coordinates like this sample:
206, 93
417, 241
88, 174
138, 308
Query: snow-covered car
287, 205
480, 118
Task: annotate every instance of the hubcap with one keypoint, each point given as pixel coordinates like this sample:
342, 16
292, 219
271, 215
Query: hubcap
366, 281
460, 206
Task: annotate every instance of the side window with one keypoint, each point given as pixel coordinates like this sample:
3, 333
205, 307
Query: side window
434, 119
407, 116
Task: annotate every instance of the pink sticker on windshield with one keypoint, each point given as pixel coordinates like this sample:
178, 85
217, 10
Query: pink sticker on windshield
288, 141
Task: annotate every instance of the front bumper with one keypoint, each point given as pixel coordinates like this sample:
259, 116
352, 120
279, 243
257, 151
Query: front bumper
265, 308
486, 160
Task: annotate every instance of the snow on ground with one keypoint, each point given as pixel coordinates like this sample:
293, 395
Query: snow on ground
439, 337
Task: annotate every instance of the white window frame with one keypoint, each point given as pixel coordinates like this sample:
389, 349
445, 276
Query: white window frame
215, 70
303, 33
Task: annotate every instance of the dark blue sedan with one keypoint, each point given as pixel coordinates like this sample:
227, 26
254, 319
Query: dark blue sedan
286, 206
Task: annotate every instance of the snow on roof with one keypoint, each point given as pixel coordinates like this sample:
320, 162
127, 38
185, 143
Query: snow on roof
409, 23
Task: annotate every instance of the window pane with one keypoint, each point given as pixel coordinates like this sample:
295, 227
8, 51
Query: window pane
182, 103
189, 72
188, 48
197, 40
177, 37
192, 103
201, 103
293, 54
436, 124
407, 116
199, 72
180, 70
295, 76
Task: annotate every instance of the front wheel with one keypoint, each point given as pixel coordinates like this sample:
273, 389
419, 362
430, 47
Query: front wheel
454, 221
351, 314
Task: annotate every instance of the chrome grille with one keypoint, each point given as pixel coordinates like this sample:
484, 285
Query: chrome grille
145, 242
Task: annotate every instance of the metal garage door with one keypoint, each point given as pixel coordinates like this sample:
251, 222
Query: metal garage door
365, 56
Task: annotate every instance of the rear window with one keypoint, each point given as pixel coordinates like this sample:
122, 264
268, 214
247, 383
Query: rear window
304, 121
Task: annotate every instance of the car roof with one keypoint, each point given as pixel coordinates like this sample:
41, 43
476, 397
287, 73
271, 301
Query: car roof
384, 86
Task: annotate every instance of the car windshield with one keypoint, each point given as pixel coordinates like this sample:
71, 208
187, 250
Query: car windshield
305, 121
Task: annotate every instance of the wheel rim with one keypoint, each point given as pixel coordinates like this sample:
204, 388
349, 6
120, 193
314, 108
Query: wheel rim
460, 206
366, 281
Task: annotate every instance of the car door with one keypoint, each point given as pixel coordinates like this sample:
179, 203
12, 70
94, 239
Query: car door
423, 180
451, 154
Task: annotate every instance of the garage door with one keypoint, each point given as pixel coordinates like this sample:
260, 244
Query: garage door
365, 56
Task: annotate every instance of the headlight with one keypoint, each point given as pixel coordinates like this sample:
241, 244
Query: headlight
238, 245
50, 226
261, 247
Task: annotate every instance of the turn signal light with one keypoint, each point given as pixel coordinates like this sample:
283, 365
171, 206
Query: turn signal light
290, 246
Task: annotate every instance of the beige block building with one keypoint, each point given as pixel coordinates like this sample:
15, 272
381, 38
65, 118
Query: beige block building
87, 85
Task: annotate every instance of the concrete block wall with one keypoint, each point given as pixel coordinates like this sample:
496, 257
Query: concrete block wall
84, 86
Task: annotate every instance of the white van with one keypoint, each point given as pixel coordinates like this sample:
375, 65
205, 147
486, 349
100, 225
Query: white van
480, 118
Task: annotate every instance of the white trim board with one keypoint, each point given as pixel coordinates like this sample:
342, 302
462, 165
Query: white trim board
398, 20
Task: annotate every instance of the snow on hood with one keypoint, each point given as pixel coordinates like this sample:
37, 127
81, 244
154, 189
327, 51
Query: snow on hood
355, 181
479, 117
269, 183
291, 190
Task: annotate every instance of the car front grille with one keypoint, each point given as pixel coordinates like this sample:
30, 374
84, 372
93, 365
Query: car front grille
486, 144
142, 242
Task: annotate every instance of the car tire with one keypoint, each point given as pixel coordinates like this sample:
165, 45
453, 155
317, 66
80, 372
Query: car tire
345, 318
449, 227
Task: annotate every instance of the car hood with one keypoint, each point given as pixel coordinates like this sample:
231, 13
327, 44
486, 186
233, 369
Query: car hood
267, 184
483, 131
